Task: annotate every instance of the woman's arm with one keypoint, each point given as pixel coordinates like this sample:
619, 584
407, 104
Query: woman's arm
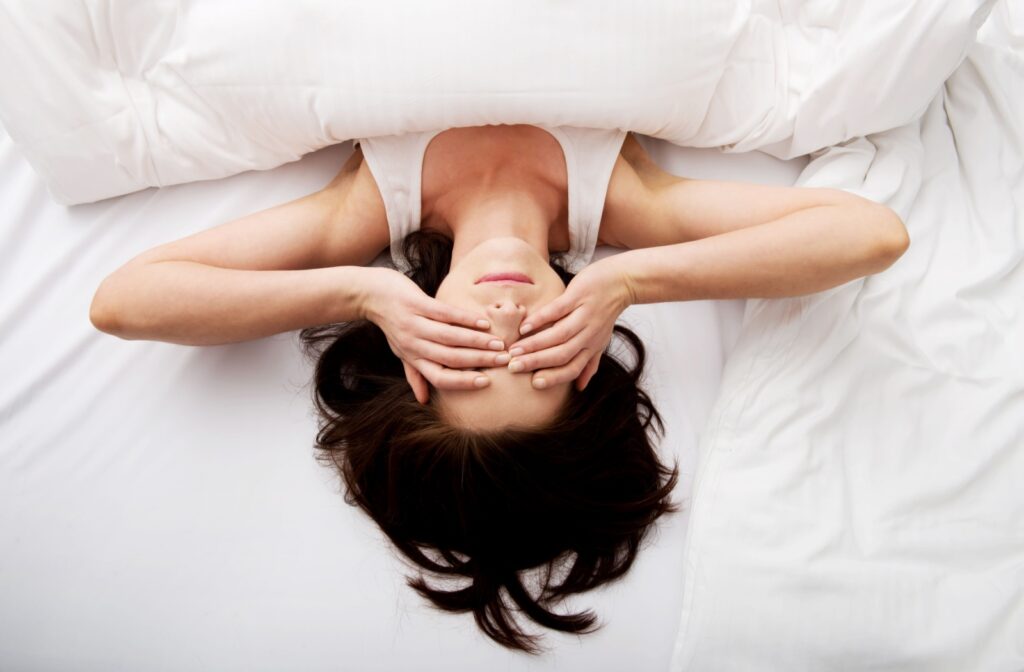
728, 239
777, 242
195, 304
711, 240
287, 267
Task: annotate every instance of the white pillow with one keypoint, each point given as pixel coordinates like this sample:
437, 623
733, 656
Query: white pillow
106, 97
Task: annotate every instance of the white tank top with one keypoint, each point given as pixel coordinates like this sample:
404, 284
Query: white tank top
396, 162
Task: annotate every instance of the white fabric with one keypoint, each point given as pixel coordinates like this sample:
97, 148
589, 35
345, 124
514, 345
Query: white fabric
109, 96
160, 507
396, 163
860, 501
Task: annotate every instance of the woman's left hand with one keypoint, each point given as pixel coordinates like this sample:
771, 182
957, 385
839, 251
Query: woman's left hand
579, 327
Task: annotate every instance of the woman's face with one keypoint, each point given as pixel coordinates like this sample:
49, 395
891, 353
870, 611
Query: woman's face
510, 399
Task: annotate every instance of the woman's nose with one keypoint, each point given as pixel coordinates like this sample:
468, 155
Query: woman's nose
506, 316
507, 307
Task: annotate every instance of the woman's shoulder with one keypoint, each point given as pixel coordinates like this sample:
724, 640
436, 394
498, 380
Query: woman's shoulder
649, 172
356, 195
628, 200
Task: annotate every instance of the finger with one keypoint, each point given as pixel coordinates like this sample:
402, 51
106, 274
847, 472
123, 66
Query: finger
562, 374
451, 379
560, 332
462, 358
588, 372
560, 355
443, 312
548, 313
447, 334
417, 382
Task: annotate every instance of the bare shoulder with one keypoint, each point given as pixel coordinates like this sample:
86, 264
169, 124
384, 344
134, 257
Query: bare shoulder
358, 203
629, 201
649, 172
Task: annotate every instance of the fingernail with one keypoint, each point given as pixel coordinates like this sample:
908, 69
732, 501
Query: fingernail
481, 381
515, 352
496, 345
515, 367
503, 358
525, 329
483, 324
540, 383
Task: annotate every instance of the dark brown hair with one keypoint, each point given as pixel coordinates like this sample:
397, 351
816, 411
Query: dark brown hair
575, 498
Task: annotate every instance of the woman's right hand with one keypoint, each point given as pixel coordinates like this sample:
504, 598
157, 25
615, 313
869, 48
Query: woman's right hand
435, 341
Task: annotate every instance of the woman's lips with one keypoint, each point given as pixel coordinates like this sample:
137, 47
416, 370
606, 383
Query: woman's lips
505, 277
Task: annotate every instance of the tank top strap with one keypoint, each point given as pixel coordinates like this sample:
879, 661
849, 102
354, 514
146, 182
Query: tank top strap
396, 163
590, 155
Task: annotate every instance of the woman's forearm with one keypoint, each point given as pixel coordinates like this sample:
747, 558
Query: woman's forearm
194, 304
804, 252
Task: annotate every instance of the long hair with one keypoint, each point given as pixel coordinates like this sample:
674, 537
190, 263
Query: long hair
480, 508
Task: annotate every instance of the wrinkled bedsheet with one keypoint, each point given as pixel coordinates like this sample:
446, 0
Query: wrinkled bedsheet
860, 501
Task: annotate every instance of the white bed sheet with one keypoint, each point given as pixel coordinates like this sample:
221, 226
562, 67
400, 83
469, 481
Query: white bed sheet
160, 507
860, 500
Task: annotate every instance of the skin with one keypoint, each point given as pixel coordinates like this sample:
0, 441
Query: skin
505, 304
505, 212
496, 356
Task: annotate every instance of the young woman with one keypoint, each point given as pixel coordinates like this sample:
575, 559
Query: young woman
468, 398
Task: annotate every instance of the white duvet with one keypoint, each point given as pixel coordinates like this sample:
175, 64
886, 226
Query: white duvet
860, 505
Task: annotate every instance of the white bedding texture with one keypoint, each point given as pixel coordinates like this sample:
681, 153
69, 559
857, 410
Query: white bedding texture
160, 507
106, 97
851, 461
860, 501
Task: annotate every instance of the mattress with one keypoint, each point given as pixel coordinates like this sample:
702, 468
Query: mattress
160, 505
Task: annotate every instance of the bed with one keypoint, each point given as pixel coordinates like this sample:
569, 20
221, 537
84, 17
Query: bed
162, 508
850, 461
859, 502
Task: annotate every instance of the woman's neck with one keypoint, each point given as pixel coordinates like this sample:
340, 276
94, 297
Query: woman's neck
515, 214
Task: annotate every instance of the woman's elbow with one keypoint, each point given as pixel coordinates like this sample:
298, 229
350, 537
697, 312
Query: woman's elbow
892, 239
103, 311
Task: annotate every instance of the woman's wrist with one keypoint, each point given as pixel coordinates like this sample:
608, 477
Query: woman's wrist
659, 274
365, 285
619, 272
